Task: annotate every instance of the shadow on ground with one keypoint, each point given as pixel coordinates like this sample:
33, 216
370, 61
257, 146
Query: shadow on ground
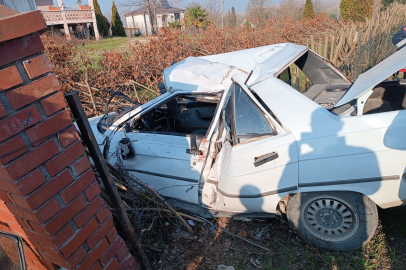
386, 250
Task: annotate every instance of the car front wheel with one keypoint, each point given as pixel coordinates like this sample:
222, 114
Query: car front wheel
339, 221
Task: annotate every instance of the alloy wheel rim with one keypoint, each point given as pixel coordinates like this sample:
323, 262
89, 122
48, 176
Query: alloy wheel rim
330, 218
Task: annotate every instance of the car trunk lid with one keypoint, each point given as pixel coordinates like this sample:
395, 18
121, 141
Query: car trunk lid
374, 76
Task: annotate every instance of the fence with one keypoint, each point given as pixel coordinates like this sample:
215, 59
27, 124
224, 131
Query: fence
361, 56
355, 48
131, 32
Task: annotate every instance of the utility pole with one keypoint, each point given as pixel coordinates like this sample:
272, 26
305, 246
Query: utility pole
222, 12
338, 12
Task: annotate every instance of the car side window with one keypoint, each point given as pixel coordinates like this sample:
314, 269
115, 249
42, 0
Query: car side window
249, 121
285, 76
10, 252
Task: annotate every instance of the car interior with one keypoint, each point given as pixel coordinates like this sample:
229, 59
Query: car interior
326, 88
324, 85
184, 114
387, 96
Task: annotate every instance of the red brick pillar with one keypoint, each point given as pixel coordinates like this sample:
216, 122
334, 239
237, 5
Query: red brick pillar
48, 192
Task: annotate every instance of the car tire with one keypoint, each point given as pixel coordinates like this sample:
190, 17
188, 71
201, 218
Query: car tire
339, 221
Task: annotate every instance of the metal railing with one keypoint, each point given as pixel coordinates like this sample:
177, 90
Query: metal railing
68, 16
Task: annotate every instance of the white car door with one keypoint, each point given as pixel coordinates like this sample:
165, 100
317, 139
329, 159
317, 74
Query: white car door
167, 161
161, 161
257, 158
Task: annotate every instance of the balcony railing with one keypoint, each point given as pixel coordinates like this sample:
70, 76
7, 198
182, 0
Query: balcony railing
71, 16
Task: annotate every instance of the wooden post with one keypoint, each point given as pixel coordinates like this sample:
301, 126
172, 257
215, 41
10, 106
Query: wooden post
146, 26
389, 42
89, 140
312, 42
65, 25
337, 51
325, 46
358, 52
95, 29
60, 4
135, 91
332, 47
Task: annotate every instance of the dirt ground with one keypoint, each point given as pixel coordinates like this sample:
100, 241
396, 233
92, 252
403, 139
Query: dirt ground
288, 250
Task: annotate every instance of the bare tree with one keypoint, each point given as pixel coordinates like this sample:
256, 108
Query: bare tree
107, 14
318, 6
259, 10
213, 8
193, 4
292, 8
177, 3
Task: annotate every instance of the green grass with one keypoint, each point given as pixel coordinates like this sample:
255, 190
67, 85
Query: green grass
94, 50
108, 44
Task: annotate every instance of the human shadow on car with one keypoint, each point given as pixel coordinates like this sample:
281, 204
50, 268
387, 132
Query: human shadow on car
336, 220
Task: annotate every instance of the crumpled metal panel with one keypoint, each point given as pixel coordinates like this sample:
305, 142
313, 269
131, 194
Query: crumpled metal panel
214, 72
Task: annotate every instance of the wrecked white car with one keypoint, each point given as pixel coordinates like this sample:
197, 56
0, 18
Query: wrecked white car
229, 135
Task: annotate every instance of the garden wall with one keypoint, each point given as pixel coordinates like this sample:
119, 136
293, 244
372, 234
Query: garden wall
48, 192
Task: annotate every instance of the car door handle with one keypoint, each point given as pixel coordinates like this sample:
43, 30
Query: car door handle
204, 117
258, 161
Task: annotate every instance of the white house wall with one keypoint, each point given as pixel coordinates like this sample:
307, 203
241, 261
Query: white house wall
137, 21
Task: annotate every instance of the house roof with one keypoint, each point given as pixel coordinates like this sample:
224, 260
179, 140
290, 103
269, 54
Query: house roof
158, 11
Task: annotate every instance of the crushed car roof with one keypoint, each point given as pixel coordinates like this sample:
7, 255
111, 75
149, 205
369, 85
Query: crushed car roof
214, 72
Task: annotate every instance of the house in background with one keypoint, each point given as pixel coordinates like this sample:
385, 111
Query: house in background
138, 20
63, 17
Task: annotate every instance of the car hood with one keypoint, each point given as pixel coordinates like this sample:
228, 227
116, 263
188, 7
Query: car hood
214, 72
368, 80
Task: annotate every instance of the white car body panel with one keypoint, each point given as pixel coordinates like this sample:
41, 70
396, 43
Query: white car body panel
159, 156
317, 150
333, 148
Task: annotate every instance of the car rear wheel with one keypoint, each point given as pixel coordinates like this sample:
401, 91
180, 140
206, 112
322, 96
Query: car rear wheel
338, 221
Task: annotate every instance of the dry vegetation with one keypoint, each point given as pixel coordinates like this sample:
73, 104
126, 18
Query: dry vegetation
145, 62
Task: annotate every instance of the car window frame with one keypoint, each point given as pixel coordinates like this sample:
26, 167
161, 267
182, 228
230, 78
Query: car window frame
254, 137
165, 100
20, 247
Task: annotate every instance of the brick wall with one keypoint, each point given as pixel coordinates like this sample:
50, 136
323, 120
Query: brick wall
48, 192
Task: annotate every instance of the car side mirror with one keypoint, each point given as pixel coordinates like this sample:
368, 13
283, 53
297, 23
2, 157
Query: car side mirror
126, 148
